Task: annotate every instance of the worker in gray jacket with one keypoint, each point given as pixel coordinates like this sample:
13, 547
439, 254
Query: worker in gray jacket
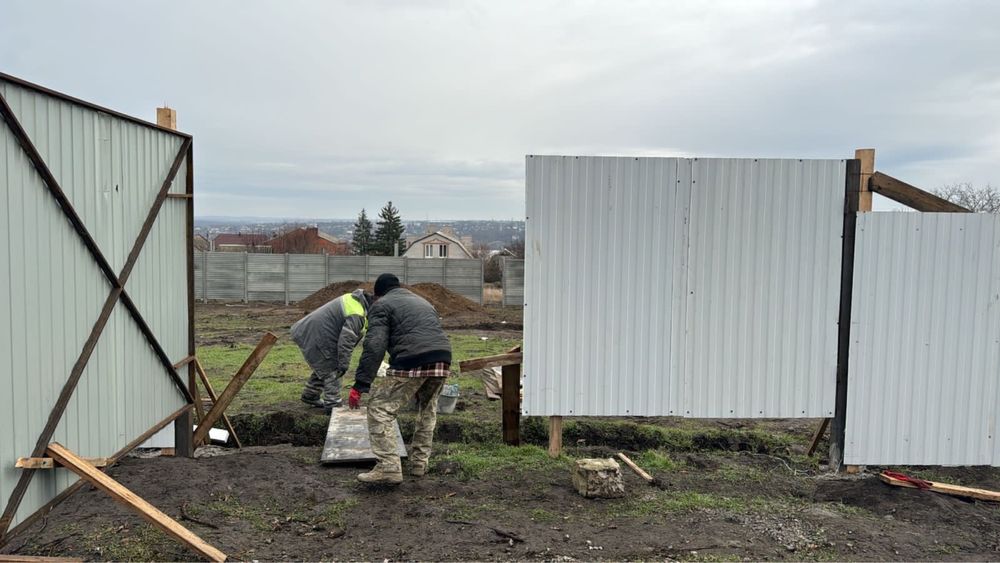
327, 337
408, 327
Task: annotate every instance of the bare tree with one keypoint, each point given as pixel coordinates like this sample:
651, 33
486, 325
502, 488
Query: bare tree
980, 200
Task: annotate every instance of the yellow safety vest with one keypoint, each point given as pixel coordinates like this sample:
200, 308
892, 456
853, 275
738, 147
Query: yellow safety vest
354, 307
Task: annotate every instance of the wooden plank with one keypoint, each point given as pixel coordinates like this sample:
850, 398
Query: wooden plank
499, 360
638, 470
215, 399
818, 436
184, 362
49, 463
229, 393
912, 196
131, 500
511, 404
555, 436
867, 158
945, 488
66, 493
347, 438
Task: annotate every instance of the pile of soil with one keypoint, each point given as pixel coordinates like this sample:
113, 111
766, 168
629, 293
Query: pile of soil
331, 292
455, 310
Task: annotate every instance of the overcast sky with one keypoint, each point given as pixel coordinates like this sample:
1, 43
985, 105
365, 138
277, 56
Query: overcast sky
316, 109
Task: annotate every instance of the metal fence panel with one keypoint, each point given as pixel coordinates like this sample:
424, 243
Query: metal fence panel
763, 287
110, 170
925, 340
513, 282
693, 287
265, 277
603, 321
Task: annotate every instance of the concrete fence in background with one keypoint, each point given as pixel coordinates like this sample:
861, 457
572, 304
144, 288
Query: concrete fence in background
287, 278
513, 282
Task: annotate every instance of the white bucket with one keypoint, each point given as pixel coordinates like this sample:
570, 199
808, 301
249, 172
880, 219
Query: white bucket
448, 398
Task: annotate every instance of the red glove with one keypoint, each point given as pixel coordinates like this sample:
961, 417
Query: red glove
354, 400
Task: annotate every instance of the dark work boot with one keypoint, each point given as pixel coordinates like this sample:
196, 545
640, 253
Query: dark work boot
311, 400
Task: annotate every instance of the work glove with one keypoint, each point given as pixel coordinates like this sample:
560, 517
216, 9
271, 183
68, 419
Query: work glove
354, 400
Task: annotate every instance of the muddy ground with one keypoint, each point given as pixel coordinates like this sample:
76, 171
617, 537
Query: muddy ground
726, 490
277, 503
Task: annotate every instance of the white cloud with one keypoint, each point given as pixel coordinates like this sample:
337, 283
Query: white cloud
318, 108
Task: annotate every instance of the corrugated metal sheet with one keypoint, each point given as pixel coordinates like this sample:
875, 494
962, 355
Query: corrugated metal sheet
693, 287
110, 169
925, 340
763, 287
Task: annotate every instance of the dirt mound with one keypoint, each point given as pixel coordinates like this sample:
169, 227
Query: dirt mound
446, 301
457, 311
331, 292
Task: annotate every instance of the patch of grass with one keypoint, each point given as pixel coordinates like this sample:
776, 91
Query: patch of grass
542, 515
256, 514
477, 461
634, 436
741, 474
284, 372
118, 543
335, 512
685, 501
652, 460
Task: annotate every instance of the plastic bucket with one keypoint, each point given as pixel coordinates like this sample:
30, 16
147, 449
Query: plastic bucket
448, 398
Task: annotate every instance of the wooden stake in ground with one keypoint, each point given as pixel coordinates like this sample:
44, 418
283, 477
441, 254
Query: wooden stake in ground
555, 436
126, 497
638, 470
215, 399
229, 393
511, 404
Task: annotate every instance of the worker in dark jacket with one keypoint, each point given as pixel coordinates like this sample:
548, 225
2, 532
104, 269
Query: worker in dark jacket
327, 338
408, 327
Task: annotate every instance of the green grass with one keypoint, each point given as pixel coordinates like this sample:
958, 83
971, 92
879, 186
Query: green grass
653, 460
479, 461
258, 515
336, 512
671, 502
283, 373
140, 543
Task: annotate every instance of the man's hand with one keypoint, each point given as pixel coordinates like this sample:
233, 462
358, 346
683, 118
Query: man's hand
354, 400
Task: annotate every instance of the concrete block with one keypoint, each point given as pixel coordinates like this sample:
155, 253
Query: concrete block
598, 478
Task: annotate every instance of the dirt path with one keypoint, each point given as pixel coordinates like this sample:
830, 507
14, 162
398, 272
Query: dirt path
277, 503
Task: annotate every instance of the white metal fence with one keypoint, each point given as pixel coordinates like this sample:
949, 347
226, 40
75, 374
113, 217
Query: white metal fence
691, 287
230, 276
925, 340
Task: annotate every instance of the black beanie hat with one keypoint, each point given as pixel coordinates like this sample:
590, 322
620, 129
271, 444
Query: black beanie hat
384, 283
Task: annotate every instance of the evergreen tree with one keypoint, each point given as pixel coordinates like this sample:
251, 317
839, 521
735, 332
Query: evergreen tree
363, 241
389, 233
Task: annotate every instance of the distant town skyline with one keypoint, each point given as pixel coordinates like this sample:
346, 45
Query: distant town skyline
323, 108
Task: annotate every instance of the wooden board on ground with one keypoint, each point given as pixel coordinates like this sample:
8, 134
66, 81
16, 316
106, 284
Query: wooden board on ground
347, 438
945, 488
124, 496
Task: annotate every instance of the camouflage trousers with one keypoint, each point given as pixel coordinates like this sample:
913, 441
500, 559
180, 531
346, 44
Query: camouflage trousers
326, 384
388, 397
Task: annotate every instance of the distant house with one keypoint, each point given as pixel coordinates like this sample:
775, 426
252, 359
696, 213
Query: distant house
308, 240
240, 242
202, 244
438, 244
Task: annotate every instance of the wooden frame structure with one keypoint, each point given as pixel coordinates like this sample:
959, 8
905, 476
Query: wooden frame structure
116, 294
